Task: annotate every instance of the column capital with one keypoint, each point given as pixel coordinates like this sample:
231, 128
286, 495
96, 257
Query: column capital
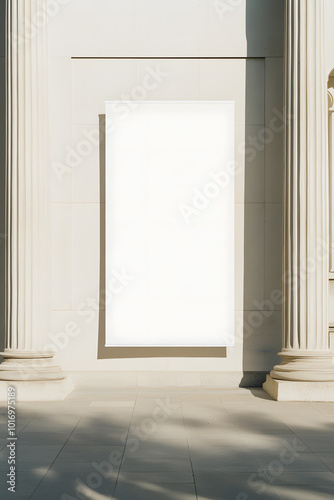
330, 93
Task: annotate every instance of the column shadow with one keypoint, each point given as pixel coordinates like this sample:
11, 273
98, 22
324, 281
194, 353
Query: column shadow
261, 339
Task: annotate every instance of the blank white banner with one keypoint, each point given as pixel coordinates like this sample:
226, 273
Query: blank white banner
170, 223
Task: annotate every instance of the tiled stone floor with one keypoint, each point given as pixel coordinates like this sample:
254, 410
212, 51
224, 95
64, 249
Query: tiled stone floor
166, 445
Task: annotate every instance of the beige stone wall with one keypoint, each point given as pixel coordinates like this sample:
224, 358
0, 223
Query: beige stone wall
247, 44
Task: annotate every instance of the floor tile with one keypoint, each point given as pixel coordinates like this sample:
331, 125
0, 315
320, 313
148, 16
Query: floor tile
149, 429
156, 449
276, 443
96, 438
319, 442
144, 490
210, 485
155, 465
89, 454
49, 425
39, 468
107, 405
287, 462
328, 459
223, 460
168, 476
33, 453
304, 492
43, 438
302, 478
324, 408
86, 484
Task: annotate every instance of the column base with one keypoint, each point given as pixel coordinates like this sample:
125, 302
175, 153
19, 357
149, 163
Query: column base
50, 390
304, 366
29, 366
290, 390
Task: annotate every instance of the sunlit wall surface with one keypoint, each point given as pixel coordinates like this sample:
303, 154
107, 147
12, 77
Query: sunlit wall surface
170, 223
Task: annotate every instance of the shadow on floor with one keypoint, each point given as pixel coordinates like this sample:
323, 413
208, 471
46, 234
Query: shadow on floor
211, 446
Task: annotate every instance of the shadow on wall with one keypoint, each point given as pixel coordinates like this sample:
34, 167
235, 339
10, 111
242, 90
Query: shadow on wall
2, 172
262, 319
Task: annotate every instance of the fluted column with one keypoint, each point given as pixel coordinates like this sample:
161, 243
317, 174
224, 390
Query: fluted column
28, 218
331, 173
305, 354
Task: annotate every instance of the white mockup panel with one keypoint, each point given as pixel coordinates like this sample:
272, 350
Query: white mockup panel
170, 223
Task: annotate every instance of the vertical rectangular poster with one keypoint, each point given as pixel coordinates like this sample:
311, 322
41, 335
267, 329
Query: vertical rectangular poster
170, 223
